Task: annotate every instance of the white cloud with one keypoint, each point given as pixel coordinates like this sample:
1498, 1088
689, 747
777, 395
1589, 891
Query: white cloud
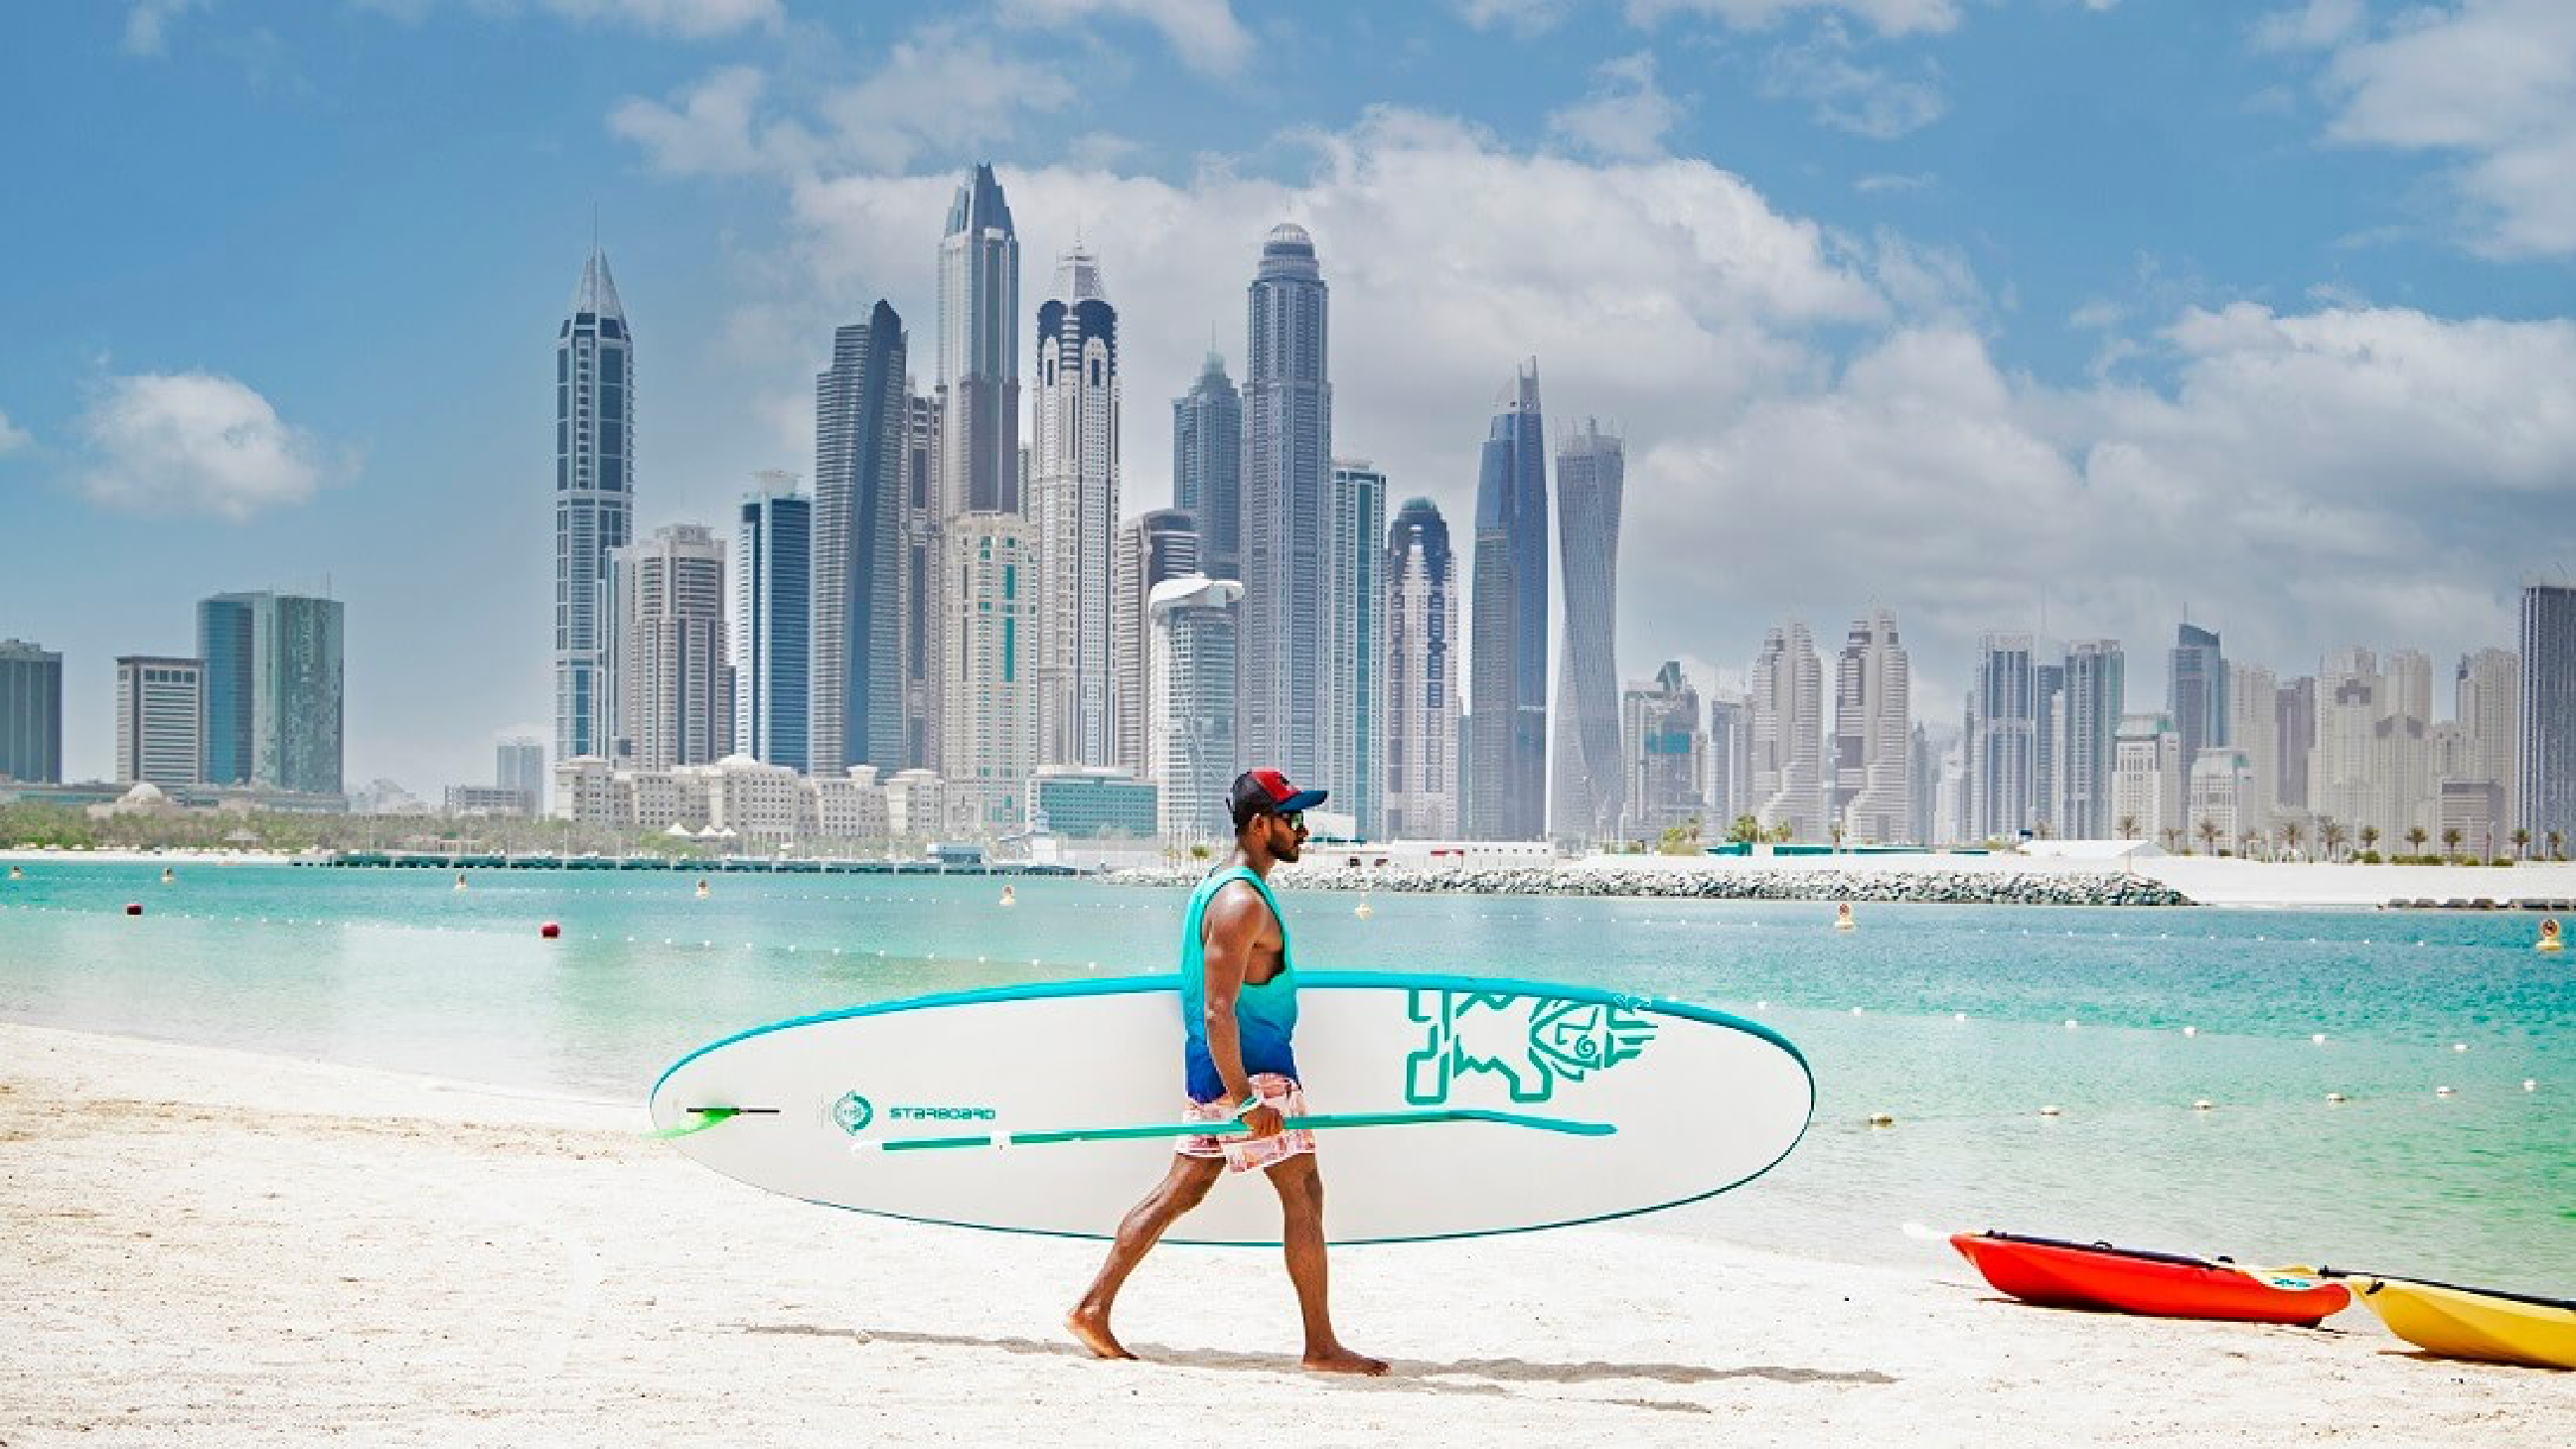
686, 19
1625, 116
12, 437
147, 25
1888, 17
2316, 25
1894, 181
196, 443
1204, 33
1863, 100
1521, 17
2490, 83
937, 93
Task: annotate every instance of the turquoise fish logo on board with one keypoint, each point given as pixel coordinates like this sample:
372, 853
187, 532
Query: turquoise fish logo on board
853, 1113
1531, 1042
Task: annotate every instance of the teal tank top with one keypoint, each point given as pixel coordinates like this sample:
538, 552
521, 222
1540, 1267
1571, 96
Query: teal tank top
1265, 1016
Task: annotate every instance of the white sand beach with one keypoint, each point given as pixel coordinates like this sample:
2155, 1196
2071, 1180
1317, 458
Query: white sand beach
207, 1247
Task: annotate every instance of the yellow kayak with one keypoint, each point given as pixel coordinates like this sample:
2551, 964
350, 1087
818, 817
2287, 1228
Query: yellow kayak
2474, 1322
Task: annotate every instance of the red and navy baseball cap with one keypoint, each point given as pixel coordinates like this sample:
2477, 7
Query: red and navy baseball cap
1267, 792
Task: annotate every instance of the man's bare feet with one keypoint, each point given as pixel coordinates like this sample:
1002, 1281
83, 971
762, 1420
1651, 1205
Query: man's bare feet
1090, 1328
1339, 1360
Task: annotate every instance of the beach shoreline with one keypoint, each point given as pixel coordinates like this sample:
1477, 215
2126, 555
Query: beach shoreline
208, 1246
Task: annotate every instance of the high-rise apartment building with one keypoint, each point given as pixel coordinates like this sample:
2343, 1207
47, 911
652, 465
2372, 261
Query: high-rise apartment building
2545, 789
519, 766
1285, 521
855, 713
1207, 466
1873, 782
2196, 690
2254, 732
919, 609
1421, 676
1354, 705
1730, 760
2295, 715
2487, 707
1666, 748
2003, 730
31, 713
1074, 502
672, 707
988, 711
1191, 709
273, 691
2373, 765
1587, 799
773, 621
160, 721
594, 504
2091, 707
1788, 730
1506, 777
2148, 780
1154, 547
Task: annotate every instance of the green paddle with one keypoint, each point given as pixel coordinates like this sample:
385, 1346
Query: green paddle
1236, 1129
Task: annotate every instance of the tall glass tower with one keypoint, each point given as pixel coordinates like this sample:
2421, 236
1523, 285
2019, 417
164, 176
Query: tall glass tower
2196, 691
594, 502
773, 619
272, 689
979, 351
1421, 676
1507, 657
1286, 511
1590, 785
1354, 699
31, 713
862, 410
1074, 496
1207, 466
2546, 795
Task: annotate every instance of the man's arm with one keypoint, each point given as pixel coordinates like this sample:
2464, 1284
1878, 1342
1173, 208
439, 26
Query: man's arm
1232, 926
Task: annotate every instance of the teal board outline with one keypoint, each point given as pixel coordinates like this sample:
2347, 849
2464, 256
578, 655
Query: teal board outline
1318, 980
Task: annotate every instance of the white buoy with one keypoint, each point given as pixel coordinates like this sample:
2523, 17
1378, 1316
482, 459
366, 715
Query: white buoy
2070, 1023
1958, 1016
2530, 1084
2459, 1046
2052, 1111
1855, 1011
2441, 1091
1762, 1006
2318, 1037
2202, 1104
2191, 1031
2335, 1098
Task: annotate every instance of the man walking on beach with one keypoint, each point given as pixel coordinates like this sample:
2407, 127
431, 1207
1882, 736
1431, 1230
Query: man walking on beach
1238, 1010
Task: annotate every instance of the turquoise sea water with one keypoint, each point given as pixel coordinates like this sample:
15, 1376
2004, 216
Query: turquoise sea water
398, 969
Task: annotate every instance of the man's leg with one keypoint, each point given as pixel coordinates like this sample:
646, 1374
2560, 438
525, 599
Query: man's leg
1181, 1189
1301, 1202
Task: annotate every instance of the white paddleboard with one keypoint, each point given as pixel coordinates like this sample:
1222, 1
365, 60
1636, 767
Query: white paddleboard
1700, 1102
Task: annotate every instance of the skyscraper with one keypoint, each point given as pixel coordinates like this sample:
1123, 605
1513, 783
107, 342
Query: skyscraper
2295, 711
988, 708
1665, 747
2545, 795
1286, 518
31, 713
1873, 734
2487, 703
272, 685
1730, 760
1787, 735
1421, 676
2002, 735
669, 592
2254, 731
1207, 466
1352, 708
855, 714
1074, 500
920, 608
160, 721
979, 351
594, 504
2047, 743
1154, 547
1587, 800
1191, 710
2092, 706
773, 621
2196, 691
1507, 659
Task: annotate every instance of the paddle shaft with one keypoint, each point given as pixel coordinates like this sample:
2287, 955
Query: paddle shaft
1322, 1122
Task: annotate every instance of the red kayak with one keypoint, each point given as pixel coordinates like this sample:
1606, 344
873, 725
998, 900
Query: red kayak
2165, 1285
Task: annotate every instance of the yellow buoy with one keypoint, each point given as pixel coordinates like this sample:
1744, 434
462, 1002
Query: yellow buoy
2549, 936
1882, 1119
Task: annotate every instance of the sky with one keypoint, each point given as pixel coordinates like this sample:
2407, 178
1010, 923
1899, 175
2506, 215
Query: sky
2077, 317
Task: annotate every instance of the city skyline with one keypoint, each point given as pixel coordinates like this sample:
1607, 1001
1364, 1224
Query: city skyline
2100, 389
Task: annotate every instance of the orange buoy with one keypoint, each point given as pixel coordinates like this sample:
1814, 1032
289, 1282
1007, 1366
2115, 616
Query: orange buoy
550, 930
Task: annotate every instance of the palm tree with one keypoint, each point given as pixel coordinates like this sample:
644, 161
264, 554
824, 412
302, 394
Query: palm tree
2451, 842
2248, 843
2209, 835
2290, 834
2415, 837
2557, 845
2330, 834
2521, 843
2172, 837
2128, 827
2370, 838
